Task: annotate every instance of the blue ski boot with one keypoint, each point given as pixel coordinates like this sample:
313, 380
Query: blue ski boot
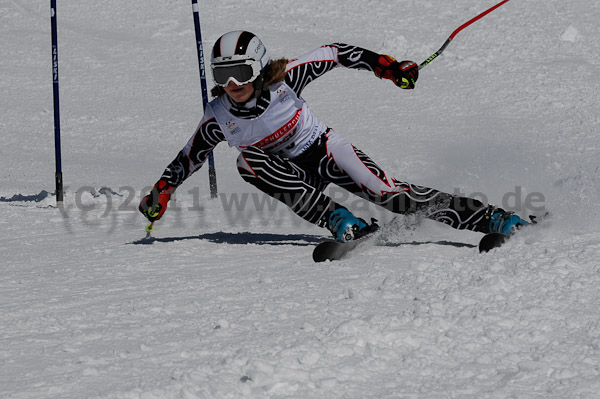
505, 222
345, 226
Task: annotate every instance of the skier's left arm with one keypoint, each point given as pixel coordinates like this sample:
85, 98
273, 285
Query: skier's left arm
188, 160
404, 74
303, 70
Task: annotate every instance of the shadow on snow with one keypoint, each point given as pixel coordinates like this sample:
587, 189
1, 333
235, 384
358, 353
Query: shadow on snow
415, 243
241, 239
303, 240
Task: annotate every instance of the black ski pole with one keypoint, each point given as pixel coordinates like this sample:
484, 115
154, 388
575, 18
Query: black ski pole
57, 154
469, 22
212, 173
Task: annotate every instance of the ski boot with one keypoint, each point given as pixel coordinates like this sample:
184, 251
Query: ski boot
505, 222
345, 226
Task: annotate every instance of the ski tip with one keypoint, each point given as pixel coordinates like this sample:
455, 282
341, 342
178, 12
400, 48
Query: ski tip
491, 241
328, 251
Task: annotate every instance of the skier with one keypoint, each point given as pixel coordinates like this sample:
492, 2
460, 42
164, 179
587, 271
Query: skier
289, 154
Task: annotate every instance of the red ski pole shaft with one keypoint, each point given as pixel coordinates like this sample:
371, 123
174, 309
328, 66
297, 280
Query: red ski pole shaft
469, 22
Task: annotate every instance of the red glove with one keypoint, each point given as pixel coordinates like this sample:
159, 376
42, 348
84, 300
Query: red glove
154, 204
404, 74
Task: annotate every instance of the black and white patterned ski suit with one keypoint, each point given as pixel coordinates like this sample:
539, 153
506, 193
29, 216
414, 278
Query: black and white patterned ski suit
287, 153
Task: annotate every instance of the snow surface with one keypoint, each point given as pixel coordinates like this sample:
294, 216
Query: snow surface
226, 301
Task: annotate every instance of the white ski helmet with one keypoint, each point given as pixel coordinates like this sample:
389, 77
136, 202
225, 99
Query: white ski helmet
238, 56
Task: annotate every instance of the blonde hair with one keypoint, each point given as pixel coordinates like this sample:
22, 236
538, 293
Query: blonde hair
273, 73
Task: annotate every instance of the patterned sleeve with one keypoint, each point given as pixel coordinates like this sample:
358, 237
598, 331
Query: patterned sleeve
303, 70
194, 154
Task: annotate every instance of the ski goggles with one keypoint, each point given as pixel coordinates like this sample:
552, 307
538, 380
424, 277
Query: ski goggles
239, 73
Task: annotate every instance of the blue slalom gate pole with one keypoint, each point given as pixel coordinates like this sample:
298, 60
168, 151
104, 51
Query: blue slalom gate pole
212, 173
58, 174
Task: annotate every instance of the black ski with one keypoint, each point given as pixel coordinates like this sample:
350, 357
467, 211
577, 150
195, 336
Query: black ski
495, 240
335, 250
491, 241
